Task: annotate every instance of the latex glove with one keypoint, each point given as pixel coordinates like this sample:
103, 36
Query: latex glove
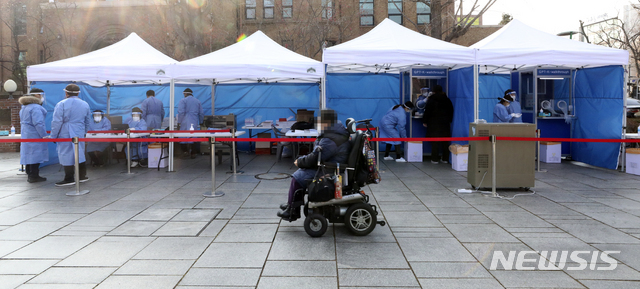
46, 136
514, 115
133, 128
518, 114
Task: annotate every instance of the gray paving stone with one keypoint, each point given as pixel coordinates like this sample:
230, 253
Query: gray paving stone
214, 228
363, 277
300, 269
25, 267
136, 228
107, 252
196, 215
475, 283
434, 249
297, 245
516, 219
56, 286
7, 247
53, 247
484, 252
247, 233
530, 279
370, 255
155, 267
621, 272
380, 234
421, 233
270, 201
30, 231
411, 219
480, 233
601, 284
134, 282
164, 248
156, 215
629, 253
13, 217
73, 275
105, 218
221, 277
13, 281
296, 282
234, 255
178, 229
592, 232
449, 270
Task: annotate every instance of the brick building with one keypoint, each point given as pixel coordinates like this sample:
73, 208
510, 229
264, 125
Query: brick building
39, 31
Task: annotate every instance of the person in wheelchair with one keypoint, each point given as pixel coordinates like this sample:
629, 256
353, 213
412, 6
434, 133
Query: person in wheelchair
333, 141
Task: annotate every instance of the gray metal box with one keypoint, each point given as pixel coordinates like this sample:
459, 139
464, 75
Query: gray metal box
515, 160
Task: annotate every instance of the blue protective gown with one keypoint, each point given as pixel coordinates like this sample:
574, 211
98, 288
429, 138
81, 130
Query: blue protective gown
71, 118
104, 124
392, 125
421, 103
152, 112
515, 108
500, 113
32, 116
139, 150
190, 112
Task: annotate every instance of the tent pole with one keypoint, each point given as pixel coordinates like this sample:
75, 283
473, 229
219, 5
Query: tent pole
213, 97
625, 94
171, 120
476, 92
108, 99
323, 93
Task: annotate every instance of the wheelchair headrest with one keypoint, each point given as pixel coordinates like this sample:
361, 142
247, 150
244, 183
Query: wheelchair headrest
350, 123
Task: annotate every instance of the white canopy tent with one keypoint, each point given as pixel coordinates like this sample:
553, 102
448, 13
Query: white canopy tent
391, 46
256, 58
130, 59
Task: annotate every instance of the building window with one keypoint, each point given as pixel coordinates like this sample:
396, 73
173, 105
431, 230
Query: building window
287, 8
287, 43
395, 10
424, 13
366, 12
251, 9
268, 9
20, 20
327, 9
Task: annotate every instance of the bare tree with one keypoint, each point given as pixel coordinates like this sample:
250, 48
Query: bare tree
15, 60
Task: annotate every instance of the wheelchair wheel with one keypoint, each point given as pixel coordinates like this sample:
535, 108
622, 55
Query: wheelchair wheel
315, 225
360, 219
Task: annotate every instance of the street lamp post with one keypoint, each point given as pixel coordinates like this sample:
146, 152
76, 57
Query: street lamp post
10, 86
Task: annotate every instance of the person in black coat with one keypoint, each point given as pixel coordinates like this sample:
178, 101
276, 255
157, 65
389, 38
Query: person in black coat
333, 141
438, 115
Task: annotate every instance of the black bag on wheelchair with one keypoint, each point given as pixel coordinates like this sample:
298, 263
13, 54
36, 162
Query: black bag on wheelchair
301, 125
322, 188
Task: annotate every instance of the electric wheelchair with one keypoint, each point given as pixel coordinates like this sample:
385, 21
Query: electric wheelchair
353, 209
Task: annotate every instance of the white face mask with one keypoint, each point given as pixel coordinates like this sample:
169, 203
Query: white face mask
97, 118
136, 118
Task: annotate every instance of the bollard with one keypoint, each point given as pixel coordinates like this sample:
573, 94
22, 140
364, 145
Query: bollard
539, 134
493, 166
213, 193
377, 150
21, 171
77, 192
233, 153
128, 131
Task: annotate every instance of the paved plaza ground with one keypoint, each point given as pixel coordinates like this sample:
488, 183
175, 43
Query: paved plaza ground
154, 229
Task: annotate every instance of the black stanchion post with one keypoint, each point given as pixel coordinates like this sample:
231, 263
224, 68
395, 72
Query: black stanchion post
76, 174
213, 193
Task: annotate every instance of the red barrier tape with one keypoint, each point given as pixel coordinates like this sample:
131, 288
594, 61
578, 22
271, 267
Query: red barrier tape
362, 128
150, 140
106, 131
179, 131
385, 139
567, 139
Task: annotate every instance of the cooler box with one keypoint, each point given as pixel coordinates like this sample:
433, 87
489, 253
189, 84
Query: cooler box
633, 161
154, 155
413, 151
459, 157
550, 152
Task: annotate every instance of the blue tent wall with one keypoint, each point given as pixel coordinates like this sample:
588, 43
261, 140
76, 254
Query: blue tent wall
362, 95
270, 101
491, 86
461, 95
599, 110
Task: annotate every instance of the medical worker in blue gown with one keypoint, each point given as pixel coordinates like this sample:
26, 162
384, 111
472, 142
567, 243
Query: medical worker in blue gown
501, 111
139, 150
96, 149
514, 106
152, 111
32, 116
190, 116
71, 118
392, 125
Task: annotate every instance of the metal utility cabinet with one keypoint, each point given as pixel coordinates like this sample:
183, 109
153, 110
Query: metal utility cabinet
515, 160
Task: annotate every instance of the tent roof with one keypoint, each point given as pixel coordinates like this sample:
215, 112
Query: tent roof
129, 59
255, 57
392, 43
519, 44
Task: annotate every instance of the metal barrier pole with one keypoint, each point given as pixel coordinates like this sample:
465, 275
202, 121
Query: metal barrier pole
539, 132
128, 132
377, 150
213, 193
76, 149
493, 166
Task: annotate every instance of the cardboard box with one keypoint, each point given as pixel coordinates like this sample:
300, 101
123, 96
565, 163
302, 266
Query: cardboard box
550, 152
263, 144
633, 161
154, 156
459, 162
413, 151
263, 151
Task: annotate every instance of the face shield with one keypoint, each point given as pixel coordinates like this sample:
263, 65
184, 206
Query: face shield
40, 95
97, 116
136, 116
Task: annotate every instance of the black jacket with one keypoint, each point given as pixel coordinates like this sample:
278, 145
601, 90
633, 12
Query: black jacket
438, 115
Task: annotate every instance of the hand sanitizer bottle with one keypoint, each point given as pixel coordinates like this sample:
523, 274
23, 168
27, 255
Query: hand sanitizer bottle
541, 112
638, 130
13, 131
191, 127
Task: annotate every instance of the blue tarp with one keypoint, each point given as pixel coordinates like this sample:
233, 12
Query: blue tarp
491, 87
362, 95
599, 99
461, 95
